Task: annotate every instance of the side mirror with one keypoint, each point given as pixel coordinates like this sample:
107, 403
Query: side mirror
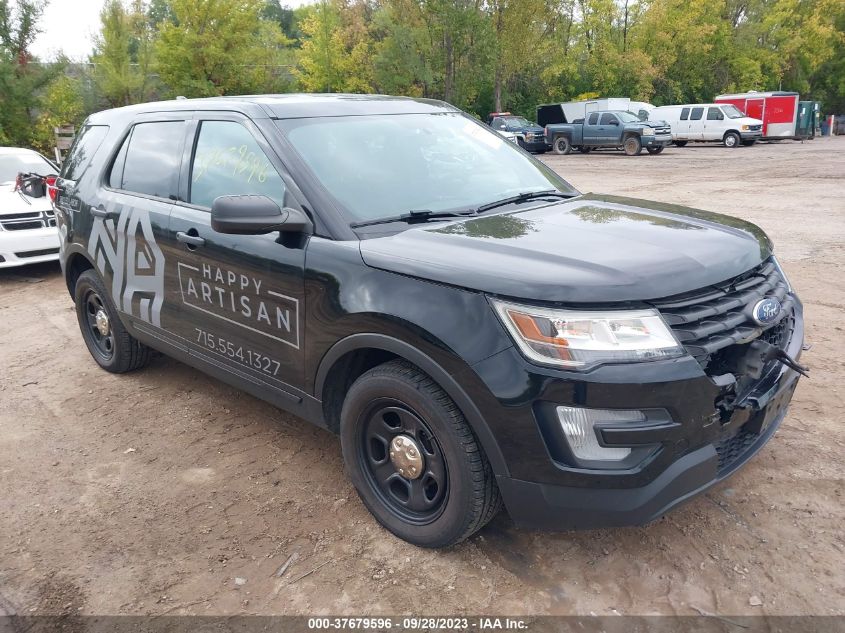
256, 215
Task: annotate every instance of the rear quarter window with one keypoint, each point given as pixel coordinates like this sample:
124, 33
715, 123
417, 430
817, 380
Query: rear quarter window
84, 147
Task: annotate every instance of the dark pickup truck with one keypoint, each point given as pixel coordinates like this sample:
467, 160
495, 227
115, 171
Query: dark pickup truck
613, 129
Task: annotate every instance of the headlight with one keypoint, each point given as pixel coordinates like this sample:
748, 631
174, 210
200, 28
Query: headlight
648, 131
745, 128
577, 339
782, 274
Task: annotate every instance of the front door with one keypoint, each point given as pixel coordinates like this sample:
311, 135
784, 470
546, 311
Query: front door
240, 296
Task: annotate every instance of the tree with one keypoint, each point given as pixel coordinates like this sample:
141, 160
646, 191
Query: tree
123, 53
216, 47
20, 80
62, 104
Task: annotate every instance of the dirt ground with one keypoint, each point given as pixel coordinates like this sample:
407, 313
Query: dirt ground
166, 491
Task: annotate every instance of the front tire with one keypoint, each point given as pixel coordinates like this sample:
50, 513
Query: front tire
561, 146
632, 146
731, 139
749, 142
108, 342
654, 150
680, 143
396, 418
585, 150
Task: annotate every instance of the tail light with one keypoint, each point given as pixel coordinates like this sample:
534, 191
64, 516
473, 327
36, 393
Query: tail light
50, 181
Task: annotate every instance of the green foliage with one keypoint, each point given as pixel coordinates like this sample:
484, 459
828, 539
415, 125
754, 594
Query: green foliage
62, 104
216, 47
481, 55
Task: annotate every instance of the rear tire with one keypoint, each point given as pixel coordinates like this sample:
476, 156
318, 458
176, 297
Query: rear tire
731, 139
749, 143
453, 493
632, 146
680, 143
585, 150
561, 146
654, 150
108, 342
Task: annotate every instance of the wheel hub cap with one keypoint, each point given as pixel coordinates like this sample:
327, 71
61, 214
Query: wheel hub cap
102, 320
406, 456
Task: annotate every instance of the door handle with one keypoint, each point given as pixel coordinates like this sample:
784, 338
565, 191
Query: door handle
100, 212
190, 240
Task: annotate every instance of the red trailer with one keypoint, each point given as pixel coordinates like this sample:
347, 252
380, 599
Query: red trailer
778, 111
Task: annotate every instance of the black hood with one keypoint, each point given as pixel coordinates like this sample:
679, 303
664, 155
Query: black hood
591, 249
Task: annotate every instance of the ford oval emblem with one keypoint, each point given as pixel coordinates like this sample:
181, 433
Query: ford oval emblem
766, 311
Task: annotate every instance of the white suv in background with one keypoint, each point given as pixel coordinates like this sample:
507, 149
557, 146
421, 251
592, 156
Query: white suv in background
720, 122
28, 233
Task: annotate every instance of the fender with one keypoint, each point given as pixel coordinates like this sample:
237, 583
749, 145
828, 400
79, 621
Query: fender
433, 369
71, 252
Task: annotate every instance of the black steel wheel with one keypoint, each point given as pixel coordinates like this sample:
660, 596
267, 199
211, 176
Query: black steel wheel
106, 338
403, 462
413, 458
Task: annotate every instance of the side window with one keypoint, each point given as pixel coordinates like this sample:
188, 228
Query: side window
116, 174
696, 114
642, 115
228, 161
83, 150
684, 114
152, 159
607, 119
714, 114
498, 124
594, 118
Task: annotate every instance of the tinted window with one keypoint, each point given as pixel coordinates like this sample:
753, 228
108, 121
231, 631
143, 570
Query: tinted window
594, 118
86, 144
607, 119
684, 114
714, 114
696, 114
153, 158
228, 161
498, 124
116, 174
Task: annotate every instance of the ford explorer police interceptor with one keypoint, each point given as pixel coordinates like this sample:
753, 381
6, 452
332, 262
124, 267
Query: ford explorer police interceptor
476, 331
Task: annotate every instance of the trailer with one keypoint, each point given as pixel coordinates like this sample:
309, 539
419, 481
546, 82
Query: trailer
572, 111
778, 110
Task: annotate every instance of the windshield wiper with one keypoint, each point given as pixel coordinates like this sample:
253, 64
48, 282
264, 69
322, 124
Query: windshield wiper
420, 215
522, 197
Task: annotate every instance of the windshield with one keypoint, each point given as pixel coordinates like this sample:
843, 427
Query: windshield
732, 112
517, 122
386, 165
13, 164
628, 117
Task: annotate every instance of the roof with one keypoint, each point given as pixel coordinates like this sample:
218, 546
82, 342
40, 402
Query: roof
285, 106
754, 93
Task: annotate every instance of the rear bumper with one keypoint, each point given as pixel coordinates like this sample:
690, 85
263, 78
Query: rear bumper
19, 248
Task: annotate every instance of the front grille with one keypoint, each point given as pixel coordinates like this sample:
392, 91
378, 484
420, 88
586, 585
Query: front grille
717, 317
730, 449
755, 128
38, 253
662, 130
27, 221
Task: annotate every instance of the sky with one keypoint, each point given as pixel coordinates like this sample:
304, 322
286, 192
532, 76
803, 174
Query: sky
70, 26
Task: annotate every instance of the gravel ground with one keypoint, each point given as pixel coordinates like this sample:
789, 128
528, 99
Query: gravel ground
166, 491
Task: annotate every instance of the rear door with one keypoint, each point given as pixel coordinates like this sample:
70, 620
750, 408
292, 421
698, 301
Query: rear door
131, 215
682, 131
240, 297
609, 130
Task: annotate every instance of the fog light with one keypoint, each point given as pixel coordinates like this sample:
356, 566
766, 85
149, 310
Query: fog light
579, 428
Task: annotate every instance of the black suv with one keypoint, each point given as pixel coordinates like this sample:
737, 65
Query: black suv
475, 330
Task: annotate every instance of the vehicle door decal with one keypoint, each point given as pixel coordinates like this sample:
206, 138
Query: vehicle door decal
127, 246
243, 300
